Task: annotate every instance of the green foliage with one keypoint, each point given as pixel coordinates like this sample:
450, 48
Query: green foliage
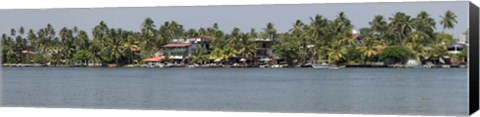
395, 53
82, 55
353, 55
38, 58
321, 39
200, 56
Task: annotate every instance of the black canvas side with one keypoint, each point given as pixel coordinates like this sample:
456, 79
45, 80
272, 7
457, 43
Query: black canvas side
473, 58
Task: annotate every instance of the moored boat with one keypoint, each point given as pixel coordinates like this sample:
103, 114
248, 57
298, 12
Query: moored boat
320, 66
336, 66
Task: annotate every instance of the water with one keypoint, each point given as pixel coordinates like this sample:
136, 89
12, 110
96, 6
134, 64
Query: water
303, 90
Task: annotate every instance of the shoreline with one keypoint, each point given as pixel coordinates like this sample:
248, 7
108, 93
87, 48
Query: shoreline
232, 66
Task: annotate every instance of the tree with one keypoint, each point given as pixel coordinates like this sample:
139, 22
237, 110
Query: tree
424, 23
299, 40
218, 55
418, 40
395, 54
67, 47
369, 47
82, 42
319, 36
287, 48
129, 47
336, 53
149, 35
102, 43
270, 31
448, 20
400, 26
248, 46
200, 56
8, 52
378, 24
460, 57
83, 55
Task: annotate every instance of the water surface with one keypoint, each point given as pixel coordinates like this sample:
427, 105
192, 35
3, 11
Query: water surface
303, 90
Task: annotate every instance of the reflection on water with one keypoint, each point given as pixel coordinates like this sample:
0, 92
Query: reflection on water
350, 90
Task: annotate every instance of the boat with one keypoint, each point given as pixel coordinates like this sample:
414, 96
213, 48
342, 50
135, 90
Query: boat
412, 63
336, 66
321, 66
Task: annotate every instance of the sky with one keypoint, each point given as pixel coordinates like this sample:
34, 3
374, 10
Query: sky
244, 17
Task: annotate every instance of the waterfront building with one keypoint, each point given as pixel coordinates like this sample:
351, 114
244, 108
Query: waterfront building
264, 52
179, 51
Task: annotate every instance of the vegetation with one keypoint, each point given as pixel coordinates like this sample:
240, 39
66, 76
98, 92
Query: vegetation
319, 41
395, 54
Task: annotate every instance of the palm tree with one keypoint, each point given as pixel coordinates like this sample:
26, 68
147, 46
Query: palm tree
102, 43
378, 24
218, 54
400, 26
192, 33
149, 38
336, 53
130, 46
115, 45
8, 52
67, 41
200, 56
424, 23
82, 42
32, 38
299, 40
418, 40
369, 47
270, 31
171, 30
342, 24
248, 46
13, 32
318, 36
448, 20
234, 39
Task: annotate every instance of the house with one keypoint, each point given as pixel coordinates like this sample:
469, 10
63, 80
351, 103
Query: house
264, 49
203, 41
28, 52
155, 61
456, 48
179, 51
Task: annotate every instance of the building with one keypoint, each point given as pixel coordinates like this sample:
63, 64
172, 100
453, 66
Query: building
179, 51
264, 49
155, 61
456, 48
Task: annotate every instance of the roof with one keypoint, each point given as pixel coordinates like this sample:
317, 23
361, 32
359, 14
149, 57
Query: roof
458, 45
135, 49
262, 39
28, 52
154, 59
203, 37
178, 45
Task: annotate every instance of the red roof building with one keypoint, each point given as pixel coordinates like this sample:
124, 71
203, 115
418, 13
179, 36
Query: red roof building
27, 52
154, 59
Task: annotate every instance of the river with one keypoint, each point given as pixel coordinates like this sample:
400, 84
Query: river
412, 91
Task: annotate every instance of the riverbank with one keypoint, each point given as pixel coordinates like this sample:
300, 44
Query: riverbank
239, 66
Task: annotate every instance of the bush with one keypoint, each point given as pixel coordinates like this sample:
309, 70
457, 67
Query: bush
395, 54
82, 55
38, 58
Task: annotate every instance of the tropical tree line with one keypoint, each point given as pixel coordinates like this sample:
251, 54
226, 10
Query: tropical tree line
391, 40
321, 40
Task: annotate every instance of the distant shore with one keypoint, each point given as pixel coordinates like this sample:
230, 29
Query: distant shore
237, 66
